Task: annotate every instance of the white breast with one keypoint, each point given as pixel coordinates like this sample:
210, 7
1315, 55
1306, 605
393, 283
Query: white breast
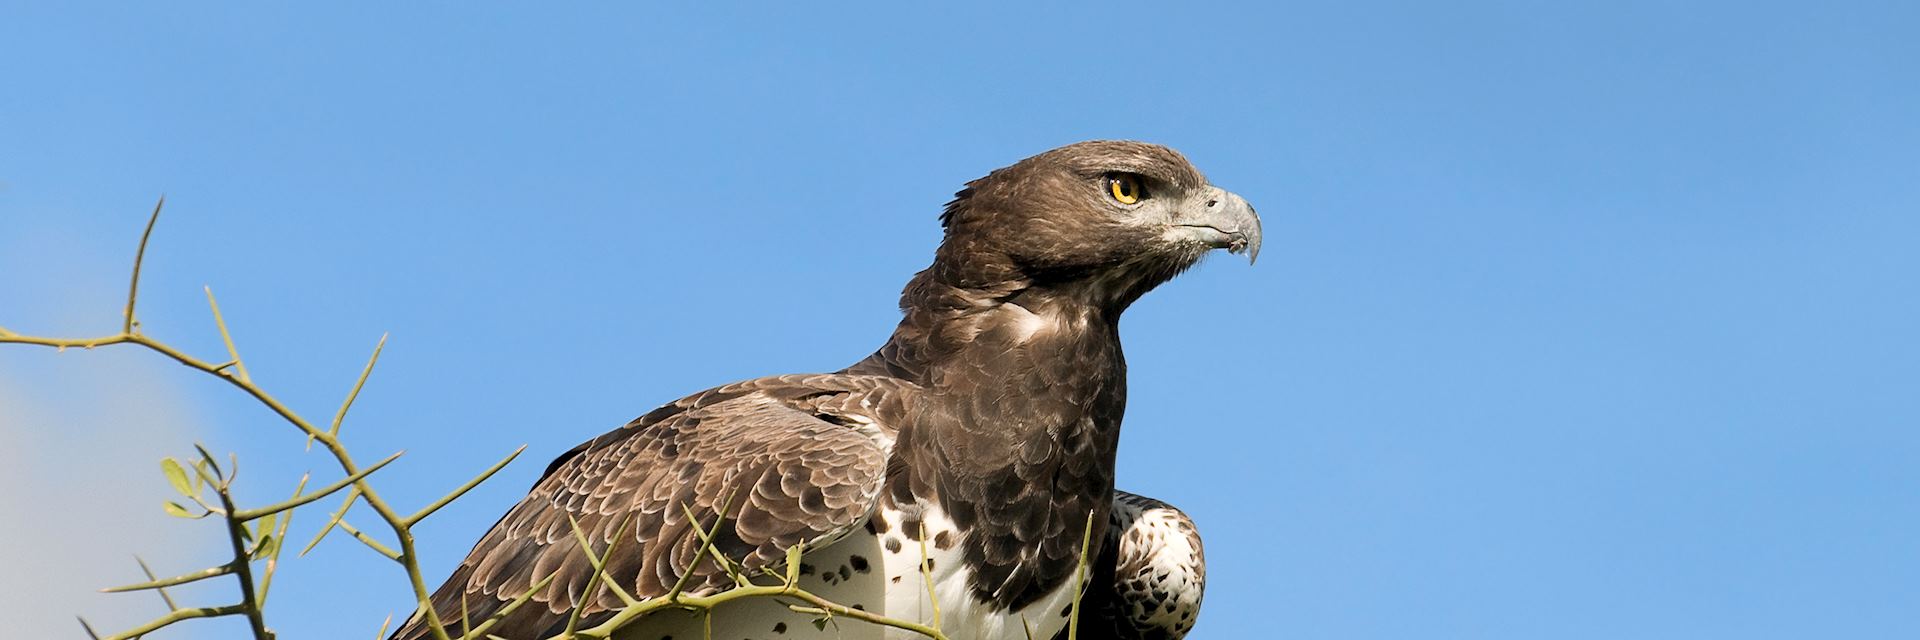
939, 552
881, 573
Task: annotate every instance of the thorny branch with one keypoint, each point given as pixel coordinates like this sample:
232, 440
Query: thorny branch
257, 535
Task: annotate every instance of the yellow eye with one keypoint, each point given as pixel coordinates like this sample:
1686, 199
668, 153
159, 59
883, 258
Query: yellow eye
1126, 188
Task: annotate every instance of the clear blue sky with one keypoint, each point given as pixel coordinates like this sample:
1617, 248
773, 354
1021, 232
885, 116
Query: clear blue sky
1576, 321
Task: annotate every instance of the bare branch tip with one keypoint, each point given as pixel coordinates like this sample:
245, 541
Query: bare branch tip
340, 416
128, 324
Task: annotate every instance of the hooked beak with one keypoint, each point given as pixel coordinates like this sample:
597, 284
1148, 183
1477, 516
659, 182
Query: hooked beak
1224, 221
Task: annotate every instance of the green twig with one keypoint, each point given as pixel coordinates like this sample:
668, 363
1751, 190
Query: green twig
1080, 579
926, 574
164, 597
463, 489
593, 585
333, 520
301, 500
161, 583
371, 543
242, 569
706, 544
239, 367
341, 415
140, 255
178, 615
481, 631
280, 534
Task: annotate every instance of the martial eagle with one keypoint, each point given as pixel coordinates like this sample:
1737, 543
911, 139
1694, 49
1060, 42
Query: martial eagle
960, 462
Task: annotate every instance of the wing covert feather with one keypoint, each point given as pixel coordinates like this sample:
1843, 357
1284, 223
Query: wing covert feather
791, 458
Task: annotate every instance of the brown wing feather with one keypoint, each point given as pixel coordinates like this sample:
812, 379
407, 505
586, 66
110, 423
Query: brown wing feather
794, 458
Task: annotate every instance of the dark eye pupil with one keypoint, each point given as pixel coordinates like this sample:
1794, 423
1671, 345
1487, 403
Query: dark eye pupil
1126, 188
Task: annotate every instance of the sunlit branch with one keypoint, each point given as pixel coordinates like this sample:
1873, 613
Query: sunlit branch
266, 539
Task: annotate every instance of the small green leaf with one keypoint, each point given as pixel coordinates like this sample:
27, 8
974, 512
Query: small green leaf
177, 511
265, 548
264, 526
176, 476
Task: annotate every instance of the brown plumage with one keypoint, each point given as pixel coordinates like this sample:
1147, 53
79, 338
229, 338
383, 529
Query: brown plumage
997, 402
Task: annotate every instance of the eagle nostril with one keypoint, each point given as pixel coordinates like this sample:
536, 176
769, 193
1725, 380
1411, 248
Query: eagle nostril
1211, 203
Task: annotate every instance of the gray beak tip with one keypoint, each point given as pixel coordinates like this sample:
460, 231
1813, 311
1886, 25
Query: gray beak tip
1229, 222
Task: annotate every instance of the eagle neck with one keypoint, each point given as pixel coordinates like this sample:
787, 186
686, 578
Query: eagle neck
1024, 391
946, 318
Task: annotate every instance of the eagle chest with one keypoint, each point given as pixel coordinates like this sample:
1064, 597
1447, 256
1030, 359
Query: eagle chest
987, 504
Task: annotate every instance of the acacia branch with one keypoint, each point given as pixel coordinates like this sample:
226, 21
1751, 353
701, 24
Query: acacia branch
341, 415
249, 546
280, 536
240, 368
177, 615
463, 489
163, 583
242, 569
160, 590
238, 377
300, 500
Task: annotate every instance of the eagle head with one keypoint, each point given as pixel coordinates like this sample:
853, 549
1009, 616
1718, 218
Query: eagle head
1108, 219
